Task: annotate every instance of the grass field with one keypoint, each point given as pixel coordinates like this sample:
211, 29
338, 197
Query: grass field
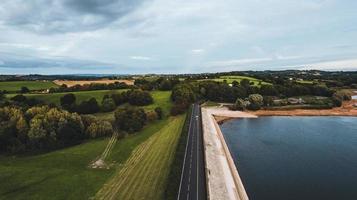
13, 86
144, 174
64, 174
80, 96
161, 99
230, 79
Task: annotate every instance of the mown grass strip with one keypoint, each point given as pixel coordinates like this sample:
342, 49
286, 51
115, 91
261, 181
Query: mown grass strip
145, 173
174, 178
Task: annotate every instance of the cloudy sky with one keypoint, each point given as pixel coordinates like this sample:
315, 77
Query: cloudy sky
176, 36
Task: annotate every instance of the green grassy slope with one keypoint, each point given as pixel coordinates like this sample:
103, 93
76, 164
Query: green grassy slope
144, 174
13, 86
63, 174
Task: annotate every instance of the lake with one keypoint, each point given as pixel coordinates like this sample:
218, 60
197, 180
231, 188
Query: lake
288, 158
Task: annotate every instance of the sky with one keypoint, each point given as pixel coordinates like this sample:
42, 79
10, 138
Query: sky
176, 36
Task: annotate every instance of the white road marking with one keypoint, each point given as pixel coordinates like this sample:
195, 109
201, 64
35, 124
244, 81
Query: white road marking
184, 160
197, 135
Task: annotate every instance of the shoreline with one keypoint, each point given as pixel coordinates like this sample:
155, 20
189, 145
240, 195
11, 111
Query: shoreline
223, 180
346, 110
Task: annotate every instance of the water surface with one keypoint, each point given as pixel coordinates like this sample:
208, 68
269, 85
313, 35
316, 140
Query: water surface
287, 158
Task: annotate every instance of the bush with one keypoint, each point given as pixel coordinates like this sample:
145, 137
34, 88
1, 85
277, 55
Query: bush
24, 90
99, 129
88, 120
151, 116
344, 95
130, 119
159, 112
268, 100
2, 95
19, 98
337, 100
108, 105
239, 105
178, 109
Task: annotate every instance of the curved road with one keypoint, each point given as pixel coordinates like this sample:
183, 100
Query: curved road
193, 180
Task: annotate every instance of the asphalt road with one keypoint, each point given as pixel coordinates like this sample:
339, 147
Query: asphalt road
193, 181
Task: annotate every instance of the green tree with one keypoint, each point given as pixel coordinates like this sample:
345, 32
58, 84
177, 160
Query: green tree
165, 85
120, 98
245, 83
240, 104
2, 95
24, 90
268, 100
108, 105
130, 119
99, 129
256, 101
68, 102
88, 107
139, 98
183, 94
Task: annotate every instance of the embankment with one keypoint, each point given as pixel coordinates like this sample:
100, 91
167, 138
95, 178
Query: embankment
223, 180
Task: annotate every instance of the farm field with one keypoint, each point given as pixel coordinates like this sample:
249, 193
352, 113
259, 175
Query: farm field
83, 82
146, 179
80, 96
230, 79
14, 86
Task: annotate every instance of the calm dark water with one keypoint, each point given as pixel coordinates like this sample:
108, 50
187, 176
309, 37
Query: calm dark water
288, 158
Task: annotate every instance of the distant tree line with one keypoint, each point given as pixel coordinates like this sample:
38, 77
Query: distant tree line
109, 102
245, 95
161, 83
91, 86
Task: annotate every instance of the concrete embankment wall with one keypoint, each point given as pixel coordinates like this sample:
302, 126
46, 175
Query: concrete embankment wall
223, 180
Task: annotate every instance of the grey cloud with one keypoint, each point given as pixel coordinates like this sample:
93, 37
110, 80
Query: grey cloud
59, 16
8, 60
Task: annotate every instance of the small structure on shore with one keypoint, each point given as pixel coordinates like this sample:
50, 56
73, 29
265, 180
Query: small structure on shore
295, 100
